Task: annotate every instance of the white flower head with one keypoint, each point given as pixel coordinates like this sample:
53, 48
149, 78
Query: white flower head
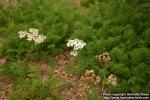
29, 37
32, 35
33, 30
70, 43
39, 39
22, 34
76, 44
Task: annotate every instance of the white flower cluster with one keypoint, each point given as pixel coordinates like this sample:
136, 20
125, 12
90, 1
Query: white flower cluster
33, 34
112, 79
76, 44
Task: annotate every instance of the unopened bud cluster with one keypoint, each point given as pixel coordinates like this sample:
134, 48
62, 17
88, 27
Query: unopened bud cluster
112, 79
33, 34
76, 44
105, 57
90, 76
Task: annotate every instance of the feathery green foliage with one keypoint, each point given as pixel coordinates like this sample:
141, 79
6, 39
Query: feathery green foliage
119, 27
122, 29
